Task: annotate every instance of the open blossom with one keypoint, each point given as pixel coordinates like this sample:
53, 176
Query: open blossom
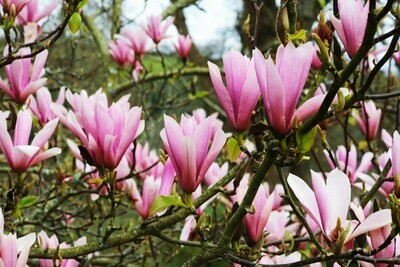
190, 150
183, 46
121, 53
328, 204
18, 4
369, 119
137, 39
281, 85
19, 154
146, 159
347, 160
105, 131
241, 93
41, 105
10, 247
33, 13
351, 26
24, 80
156, 28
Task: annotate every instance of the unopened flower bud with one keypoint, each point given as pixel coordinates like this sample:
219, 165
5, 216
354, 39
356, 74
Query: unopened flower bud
323, 30
282, 24
13, 11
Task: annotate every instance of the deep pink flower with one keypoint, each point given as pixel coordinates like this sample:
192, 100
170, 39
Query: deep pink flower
396, 57
370, 116
328, 204
121, 53
19, 154
190, 151
137, 39
316, 62
352, 23
33, 13
183, 46
241, 93
156, 29
146, 158
23, 79
281, 85
41, 106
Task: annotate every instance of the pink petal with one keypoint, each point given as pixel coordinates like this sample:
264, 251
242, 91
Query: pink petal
43, 136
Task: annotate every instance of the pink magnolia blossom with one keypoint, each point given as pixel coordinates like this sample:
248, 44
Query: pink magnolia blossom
348, 162
190, 150
198, 115
396, 57
144, 159
31, 32
152, 188
351, 26
328, 204
41, 105
183, 46
19, 154
280, 259
281, 85
316, 62
52, 242
156, 28
241, 93
121, 53
23, 79
33, 13
18, 4
276, 226
10, 247
369, 119
137, 39
216, 172
105, 131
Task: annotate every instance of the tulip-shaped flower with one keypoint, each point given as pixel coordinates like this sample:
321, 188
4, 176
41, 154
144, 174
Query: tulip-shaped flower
18, 153
137, 39
241, 93
262, 204
121, 53
190, 150
41, 106
155, 30
183, 46
328, 204
10, 246
24, 80
352, 23
369, 119
281, 85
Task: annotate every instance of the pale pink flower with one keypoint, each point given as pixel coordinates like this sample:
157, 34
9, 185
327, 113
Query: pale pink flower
156, 28
369, 119
41, 105
183, 46
190, 150
24, 79
241, 93
276, 226
316, 62
351, 26
18, 4
33, 13
19, 154
144, 159
215, 173
280, 259
281, 85
396, 154
396, 57
31, 32
121, 53
137, 39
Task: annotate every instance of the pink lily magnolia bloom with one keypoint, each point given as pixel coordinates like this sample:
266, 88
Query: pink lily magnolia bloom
105, 131
10, 246
281, 85
41, 106
369, 119
18, 4
396, 57
241, 93
396, 160
262, 203
137, 39
31, 32
316, 62
190, 150
328, 204
155, 30
351, 26
33, 13
52, 242
183, 46
280, 259
276, 226
23, 79
121, 53
144, 159
152, 188
19, 154
342, 157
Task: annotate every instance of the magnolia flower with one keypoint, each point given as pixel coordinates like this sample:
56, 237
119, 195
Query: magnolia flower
352, 23
18, 4
146, 158
183, 46
369, 119
19, 154
281, 85
347, 160
23, 79
328, 203
190, 150
241, 93
41, 106
10, 246
316, 62
155, 30
137, 39
32, 12
121, 53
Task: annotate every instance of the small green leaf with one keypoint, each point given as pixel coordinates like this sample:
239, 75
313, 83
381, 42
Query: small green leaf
199, 94
305, 141
81, 4
160, 203
75, 22
27, 201
299, 35
233, 149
